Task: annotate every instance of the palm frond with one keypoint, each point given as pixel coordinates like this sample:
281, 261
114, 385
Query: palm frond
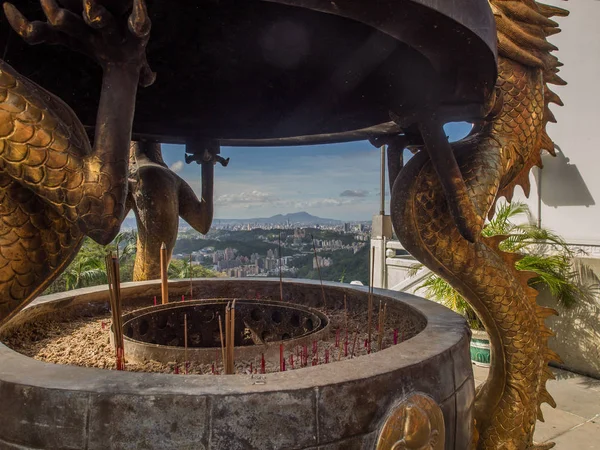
544, 252
502, 223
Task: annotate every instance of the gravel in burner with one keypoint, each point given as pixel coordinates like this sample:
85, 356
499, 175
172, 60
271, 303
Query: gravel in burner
84, 340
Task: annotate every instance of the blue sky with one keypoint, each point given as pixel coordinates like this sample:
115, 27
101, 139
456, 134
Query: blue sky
338, 181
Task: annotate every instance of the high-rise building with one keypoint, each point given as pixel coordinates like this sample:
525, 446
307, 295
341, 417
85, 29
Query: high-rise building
229, 254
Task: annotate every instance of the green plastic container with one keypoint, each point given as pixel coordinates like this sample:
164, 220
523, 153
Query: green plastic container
480, 348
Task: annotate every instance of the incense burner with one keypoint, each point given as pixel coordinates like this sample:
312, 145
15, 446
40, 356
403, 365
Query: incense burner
263, 327
341, 405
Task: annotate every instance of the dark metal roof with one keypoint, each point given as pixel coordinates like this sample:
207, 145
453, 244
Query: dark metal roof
286, 72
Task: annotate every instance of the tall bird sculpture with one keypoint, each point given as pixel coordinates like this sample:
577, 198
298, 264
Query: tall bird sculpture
494, 159
55, 188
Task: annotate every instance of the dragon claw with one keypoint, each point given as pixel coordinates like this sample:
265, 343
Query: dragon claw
88, 27
63, 20
139, 22
32, 32
97, 16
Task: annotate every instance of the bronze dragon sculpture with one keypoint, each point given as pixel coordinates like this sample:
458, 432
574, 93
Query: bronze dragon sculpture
54, 187
495, 158
158, 196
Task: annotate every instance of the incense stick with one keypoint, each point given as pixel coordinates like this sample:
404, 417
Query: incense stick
319, 270
191, 275
185, 343
164, 276
222, 341
231, 343
227, 340
114, 283
370, 302
280, 276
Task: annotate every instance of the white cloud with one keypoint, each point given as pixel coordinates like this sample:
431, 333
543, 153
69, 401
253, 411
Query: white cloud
354, 193
318, 203
285, 181
246, 197
177, 166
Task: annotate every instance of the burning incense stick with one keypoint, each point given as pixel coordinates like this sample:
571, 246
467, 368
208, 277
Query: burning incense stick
185, 343
164, 276
281, 359
319, 270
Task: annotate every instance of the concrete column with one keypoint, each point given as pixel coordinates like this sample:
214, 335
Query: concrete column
380, 234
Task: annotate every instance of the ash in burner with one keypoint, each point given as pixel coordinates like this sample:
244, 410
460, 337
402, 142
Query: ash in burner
157, 333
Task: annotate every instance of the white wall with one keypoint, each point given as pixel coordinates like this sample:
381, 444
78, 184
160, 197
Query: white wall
570, 185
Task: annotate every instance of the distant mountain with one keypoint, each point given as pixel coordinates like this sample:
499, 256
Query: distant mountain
301, 218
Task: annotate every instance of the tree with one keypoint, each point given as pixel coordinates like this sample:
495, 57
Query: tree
89, 267
181, 268
543, 252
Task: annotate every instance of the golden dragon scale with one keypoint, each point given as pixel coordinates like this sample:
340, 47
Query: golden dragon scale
493, 161
53, 190
42, 146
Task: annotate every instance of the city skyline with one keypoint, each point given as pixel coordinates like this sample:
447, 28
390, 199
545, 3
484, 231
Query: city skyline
335, 181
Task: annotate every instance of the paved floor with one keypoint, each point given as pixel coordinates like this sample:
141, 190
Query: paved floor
575, 423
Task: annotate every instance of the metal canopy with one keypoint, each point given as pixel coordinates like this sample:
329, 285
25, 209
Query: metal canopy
286, 72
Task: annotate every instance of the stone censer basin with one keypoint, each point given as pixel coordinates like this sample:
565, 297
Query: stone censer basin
341, 405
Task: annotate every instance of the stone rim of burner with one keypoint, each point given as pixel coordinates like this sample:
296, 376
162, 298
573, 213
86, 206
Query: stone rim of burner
346, 402
312, 325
